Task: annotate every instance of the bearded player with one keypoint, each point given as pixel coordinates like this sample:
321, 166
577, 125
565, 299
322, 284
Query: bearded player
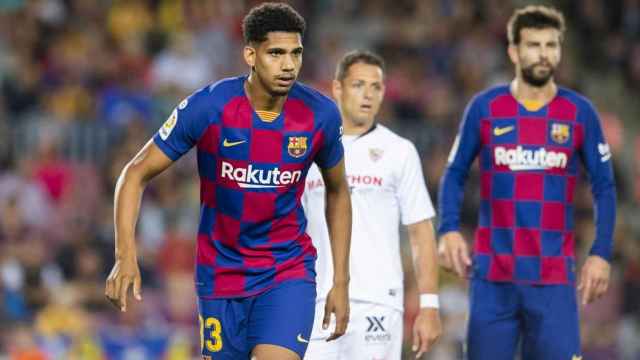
530, 137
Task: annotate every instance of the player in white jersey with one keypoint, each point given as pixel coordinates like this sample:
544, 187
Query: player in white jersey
387, 188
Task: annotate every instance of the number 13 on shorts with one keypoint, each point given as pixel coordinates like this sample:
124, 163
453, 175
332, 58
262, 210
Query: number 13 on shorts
213, 330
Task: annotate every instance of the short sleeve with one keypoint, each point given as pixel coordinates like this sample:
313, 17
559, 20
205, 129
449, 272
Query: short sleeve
413, 197
331, 151
181, 131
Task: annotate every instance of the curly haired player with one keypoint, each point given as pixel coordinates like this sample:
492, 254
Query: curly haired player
256, 137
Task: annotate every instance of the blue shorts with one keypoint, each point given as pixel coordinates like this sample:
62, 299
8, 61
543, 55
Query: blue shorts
282, 315
542, 318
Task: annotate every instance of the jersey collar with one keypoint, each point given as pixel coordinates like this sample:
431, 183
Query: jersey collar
369, 131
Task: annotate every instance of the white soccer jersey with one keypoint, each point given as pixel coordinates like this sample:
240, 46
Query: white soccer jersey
387, 187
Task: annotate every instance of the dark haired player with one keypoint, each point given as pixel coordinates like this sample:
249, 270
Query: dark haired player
530, 137
256, 137
387, 190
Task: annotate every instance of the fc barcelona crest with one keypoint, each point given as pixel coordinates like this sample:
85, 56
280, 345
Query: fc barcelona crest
560, 133
297, 146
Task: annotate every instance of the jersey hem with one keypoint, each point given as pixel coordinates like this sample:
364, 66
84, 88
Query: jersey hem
524, 282
418, 219
332, 164
166, 149
368, 301
252, 293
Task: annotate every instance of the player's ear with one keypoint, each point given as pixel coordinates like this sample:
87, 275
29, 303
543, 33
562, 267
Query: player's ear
250, 55
336, 89
512, 50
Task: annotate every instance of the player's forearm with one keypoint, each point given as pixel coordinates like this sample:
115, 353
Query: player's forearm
425, 262
338, 214
128, 195
148, 163
464, 150
450, 198
605, 219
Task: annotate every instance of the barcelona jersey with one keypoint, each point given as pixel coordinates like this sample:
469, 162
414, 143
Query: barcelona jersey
529, 164
252, 172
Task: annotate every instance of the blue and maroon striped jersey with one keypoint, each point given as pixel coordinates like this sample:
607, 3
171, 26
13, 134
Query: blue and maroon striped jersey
252, 174
528, 171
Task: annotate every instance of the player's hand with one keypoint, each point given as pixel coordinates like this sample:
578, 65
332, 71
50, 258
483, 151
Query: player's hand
426, 330
338, 304
125, 273
453, 253
594, 279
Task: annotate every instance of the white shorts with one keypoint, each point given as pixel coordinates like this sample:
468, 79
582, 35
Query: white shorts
374, 333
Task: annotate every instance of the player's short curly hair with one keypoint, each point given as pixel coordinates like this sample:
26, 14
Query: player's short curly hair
269, 17
357, 56
534, 16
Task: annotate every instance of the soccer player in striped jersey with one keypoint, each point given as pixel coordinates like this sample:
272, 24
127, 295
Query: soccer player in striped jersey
256, 137
387, 189
530, 137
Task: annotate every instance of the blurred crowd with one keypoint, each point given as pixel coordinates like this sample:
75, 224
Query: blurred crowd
84, 83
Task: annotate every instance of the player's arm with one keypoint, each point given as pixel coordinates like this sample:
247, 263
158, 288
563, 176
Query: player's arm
453, 250
338, 214
148, 163
596, 157
330, 160
427, 328
176, 136
416, 210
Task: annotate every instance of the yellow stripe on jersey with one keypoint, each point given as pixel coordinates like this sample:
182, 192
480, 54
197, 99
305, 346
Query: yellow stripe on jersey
267, 116
532, 105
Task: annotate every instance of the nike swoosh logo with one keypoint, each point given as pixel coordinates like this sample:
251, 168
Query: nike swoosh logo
228, 143
301, 339
501, 131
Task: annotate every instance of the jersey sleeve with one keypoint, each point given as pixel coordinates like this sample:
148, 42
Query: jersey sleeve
463, 152
331, 151
596, 157
413, 197
181, 131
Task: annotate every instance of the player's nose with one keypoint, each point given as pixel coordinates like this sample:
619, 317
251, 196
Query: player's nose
544, 53
368, 93
288, 64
